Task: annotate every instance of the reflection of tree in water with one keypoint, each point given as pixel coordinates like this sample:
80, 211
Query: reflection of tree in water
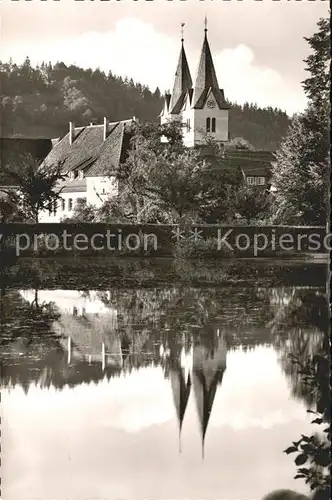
188, 310
149, 323
298, 327
300, 330
20, 318
32, 352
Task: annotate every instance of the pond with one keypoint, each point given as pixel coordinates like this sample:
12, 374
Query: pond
168, 392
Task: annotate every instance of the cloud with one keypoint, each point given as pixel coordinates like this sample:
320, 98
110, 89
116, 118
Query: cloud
134, 49
130, 403
137, 50
243, 81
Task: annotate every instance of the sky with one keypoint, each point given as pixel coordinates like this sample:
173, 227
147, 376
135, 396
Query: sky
80, 443
258, 46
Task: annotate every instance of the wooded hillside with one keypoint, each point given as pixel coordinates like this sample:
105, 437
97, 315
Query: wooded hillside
39, 102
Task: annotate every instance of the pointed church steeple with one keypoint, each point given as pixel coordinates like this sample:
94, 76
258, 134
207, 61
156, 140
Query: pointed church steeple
208, 371
182, 81
206, 78
181, 386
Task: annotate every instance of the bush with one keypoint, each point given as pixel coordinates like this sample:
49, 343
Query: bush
189, 248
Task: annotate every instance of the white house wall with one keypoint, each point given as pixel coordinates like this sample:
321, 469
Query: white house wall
221, 116
45, 216
98, 190
196, 134
188, 134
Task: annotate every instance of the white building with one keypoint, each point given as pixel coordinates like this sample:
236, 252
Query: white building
201, 108
89, 155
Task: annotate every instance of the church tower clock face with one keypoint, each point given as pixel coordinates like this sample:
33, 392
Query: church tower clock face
211, 104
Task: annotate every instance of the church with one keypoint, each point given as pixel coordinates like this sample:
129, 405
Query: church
200, 107
91, 154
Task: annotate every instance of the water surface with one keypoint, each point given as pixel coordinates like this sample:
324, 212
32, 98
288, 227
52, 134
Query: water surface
156, 393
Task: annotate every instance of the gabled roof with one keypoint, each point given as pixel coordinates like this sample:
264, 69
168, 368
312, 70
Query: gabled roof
204, 395
249, 163
74, 186
182, 83
165, 109
89, 151
206, 79
209, 365
181, 390
218, 95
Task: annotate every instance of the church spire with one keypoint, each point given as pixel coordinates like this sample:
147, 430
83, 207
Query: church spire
209, 366
206, 77
182, 81
181, 387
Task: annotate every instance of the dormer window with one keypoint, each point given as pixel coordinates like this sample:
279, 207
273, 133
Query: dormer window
80, 174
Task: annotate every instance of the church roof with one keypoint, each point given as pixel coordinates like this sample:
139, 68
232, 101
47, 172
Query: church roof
182, 83
181, 391
206, 80
89, 151
209, 365
204, 394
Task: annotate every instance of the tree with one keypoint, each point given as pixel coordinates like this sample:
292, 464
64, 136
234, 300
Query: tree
170, 178
37, 185
313, 458
252, 202
305, 358
240, 143
83, 212
9, 210
301, 170
318, 64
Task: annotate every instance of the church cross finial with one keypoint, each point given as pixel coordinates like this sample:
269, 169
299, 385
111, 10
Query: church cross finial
205, 24
182, 26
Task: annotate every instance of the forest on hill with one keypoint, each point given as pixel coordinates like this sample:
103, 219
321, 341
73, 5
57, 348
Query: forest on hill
40, 101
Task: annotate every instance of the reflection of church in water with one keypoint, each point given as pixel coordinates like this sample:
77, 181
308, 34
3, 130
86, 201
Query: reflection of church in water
200, 374
94, 337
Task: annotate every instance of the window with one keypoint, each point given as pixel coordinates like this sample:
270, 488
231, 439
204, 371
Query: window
55, 207
256, 181
63, 204
70, 204
208, 124
80, 202
81, 174
188, 125
50, 209
213, 125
